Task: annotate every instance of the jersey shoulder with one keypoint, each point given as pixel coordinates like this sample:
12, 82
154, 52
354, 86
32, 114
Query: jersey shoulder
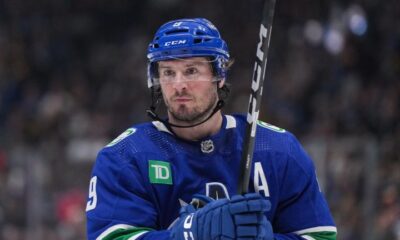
269, 137
279, 142
135, 139
131, 148
281, 147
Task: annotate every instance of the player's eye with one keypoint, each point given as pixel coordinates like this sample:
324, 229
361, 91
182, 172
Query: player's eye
167, 73
191, 72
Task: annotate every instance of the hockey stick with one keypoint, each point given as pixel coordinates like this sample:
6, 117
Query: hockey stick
256, 93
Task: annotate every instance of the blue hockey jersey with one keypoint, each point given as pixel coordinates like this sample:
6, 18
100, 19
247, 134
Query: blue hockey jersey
141, 179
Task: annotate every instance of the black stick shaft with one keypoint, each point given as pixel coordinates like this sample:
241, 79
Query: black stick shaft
256, 93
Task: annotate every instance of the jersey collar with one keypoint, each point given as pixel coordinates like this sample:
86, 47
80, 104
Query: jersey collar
230, 122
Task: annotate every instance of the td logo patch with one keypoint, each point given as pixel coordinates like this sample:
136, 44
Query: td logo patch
160, 172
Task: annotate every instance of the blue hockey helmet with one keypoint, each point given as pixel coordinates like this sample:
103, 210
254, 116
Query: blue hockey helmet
183, 38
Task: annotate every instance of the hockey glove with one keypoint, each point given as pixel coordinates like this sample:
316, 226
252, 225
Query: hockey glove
250, 220
240, 218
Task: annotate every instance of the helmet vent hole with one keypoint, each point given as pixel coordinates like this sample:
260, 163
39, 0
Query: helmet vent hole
156, 45
197, 40
207, 39
200, 33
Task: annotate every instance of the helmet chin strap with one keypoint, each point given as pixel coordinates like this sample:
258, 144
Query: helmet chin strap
152, 113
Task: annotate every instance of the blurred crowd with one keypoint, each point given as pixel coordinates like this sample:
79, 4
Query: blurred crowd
73, 76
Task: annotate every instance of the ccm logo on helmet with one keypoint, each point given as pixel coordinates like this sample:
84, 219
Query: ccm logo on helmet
176, 42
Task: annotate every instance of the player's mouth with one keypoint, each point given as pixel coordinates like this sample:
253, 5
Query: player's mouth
182, 99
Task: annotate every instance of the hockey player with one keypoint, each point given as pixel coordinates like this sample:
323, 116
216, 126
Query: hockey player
143, 180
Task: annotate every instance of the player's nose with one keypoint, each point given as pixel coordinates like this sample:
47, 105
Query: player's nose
179, 82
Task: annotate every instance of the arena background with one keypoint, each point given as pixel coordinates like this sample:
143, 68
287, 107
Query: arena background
73, 76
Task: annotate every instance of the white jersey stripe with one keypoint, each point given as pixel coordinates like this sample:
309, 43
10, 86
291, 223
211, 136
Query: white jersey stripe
112, 229
308, 237
230, 121
161, 127
137, 235
317, 229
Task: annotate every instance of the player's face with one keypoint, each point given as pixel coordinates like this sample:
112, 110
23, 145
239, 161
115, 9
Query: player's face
189, 88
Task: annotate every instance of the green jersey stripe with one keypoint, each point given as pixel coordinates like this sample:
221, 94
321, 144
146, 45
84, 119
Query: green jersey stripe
123, 232
112, 229
320, 236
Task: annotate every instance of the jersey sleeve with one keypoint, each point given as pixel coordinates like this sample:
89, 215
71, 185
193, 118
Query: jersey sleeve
119, 205
302, 208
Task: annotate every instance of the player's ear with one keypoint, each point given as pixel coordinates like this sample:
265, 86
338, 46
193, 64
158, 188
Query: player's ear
221, 83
